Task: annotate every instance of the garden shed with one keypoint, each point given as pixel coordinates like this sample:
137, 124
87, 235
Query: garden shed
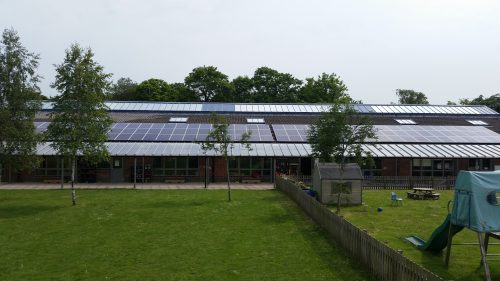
327, 183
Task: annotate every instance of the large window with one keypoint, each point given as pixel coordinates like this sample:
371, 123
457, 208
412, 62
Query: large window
51, 166
372, 168
175, 166
255, 167
480, 165
433, 167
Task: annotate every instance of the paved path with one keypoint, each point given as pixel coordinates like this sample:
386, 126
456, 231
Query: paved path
197, 185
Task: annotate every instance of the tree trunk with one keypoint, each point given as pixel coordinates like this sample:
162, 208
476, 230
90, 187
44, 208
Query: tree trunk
228, 181
73, 192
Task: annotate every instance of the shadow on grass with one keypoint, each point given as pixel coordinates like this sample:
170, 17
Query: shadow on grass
335, 257
8, 212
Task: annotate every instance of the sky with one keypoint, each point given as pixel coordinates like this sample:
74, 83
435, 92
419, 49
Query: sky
447, 49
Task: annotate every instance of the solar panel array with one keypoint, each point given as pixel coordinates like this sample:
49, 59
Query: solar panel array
183, 132
435, 134
290, 132
290, 108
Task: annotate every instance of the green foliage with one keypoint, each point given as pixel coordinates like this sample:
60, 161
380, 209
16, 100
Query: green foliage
327, 88
243, 89
492, 102
206, 83
209, 84
19, 101
156, 90
123, 90
80, 119
273, 86
219, 141
411, 97
339, 133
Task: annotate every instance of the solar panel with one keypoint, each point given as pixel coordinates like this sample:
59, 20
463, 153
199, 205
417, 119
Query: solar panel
183, 132
41, 126
435, 134
290, 132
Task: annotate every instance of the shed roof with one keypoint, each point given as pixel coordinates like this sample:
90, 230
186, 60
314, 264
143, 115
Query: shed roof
331, 171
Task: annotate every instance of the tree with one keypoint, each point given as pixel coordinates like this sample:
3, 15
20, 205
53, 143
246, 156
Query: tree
156, 90
492, 102
219, 141
327, 88
80, 119
209, 84
244, 90
411, 97
19, 101
123, 90
338, 134
273, 86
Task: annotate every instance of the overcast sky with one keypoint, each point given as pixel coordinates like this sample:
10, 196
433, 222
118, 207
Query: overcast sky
447, 49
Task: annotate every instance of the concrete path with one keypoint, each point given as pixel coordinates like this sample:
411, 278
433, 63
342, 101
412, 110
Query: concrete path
197, 185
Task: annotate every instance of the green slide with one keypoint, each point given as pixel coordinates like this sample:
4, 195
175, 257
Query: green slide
438, 239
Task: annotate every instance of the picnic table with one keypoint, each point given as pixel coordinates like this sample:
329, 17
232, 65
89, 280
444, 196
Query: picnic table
423, 193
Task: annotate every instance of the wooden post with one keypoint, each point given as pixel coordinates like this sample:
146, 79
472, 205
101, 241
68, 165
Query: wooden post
448, 246
142, 170
62, 172
206, 172
487, 273
273, 172
135, 171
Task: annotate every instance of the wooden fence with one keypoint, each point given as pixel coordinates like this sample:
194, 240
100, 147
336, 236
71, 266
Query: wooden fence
398, 182
378, 259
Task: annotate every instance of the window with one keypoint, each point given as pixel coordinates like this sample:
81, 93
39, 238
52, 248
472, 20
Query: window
480, 165
405, 121
432, 167
255, 167
255, 120
344, 187
372, 168
477, 122
51, 166
178, 119
175, 166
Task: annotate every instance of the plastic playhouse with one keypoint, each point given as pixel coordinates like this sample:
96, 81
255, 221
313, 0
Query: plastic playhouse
475, 206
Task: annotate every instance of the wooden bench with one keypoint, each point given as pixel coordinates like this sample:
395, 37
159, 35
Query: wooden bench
435, 196
250, 181
175, 180
413, 195
53, 181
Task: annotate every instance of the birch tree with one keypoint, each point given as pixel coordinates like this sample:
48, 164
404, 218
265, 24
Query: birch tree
219, 141
338, 135
80, 119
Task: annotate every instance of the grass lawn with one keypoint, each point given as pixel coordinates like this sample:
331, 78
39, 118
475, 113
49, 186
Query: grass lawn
163, 235
420, 217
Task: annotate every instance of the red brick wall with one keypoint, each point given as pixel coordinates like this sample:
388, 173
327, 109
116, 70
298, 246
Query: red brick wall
463, 164
404, 167
219, 168
389, 167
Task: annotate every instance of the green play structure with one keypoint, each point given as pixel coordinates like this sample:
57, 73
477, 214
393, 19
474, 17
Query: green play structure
475, 206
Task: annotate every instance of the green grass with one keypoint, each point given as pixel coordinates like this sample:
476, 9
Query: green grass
420, 217
163, 235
